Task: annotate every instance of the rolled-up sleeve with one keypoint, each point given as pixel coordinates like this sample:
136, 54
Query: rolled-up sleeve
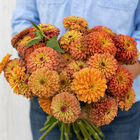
136, 33
25, 11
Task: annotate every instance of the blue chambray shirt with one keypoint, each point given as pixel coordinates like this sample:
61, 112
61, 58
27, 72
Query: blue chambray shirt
122, 16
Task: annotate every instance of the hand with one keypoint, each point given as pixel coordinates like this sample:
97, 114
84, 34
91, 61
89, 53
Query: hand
134, 69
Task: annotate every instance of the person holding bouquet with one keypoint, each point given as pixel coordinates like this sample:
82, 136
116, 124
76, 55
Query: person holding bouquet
123, 17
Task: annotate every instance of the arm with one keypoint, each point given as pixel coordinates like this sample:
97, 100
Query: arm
135, 69
25, 11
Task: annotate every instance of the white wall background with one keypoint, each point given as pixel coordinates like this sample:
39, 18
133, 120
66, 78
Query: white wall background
14, 110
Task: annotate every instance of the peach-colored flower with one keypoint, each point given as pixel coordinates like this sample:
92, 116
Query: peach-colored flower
65, 107
68, 38
45, 57
103, 112
44, 83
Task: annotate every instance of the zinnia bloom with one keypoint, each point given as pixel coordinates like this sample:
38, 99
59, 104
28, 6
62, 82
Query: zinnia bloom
19, 36
45, 57
11, 65
103, 112
24, 88
121, 82
88, 85
45, 104
78, 51
48, 29
75, 23
64, 79
44, 83
15, 78
65, 107
106, 63
99, 42
125, 102
4, 62
126, 48
68, 38
32, 48
67, 58
75, 66
134, 60
103, 29
22, 45
64, 82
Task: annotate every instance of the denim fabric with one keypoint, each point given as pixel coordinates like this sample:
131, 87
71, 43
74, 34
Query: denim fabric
124, 127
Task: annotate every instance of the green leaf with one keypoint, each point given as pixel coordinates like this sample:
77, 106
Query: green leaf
53, 43
34, 41
39, 30
36, 26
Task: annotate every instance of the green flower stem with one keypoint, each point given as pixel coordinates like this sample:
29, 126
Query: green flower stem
69, 130
98, 130
48, 119
48, 130
77, 132
44, 128
62, 131
91, 130
84, 131
66, 132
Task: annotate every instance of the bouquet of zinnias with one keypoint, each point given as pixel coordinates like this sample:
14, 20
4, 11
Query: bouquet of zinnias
79, 79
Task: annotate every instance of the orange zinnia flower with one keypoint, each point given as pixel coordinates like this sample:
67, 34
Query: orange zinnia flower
88, 85
45, 104
4, 62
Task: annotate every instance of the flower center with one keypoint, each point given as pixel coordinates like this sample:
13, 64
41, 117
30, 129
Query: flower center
109, 113
81, 67
42, 82
26, 81
128, 97
12, 68
103, 64
70, 36
68, 60
128, 45
63, 109
120, 78
41, 59
63, 82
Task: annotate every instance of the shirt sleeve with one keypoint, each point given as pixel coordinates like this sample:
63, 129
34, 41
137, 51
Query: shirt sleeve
136, 33
25, 11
